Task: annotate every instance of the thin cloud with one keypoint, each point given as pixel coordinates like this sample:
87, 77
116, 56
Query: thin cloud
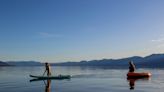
158, 40
49, 35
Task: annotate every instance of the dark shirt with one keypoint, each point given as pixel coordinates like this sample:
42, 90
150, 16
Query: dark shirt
131, 67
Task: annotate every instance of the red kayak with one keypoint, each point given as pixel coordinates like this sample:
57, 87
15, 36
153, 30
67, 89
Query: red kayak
136, 75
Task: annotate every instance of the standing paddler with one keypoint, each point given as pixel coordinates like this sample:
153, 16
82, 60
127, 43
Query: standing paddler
48, 69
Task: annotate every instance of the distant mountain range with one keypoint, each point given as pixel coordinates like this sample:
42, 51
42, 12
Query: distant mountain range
24, 63
151, 61
3, 64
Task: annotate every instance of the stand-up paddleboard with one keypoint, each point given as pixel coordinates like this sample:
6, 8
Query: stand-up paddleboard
52, 77
138, 75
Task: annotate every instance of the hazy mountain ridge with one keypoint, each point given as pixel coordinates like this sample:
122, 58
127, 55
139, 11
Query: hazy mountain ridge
3, 64
24, 63
151, 61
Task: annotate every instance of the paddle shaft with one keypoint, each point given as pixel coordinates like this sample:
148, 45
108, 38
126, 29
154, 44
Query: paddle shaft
44, 72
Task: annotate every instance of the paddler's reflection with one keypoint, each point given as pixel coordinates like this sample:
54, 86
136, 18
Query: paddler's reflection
132, 83
48, 86
133, 80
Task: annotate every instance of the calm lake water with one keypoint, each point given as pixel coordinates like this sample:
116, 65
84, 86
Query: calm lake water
85, 79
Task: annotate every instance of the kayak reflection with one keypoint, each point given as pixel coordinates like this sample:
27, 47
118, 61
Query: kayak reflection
47, 82
133, 80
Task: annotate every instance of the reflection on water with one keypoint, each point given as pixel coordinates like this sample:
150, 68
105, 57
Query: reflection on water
133, 80
132, 83
16, 79
48, 86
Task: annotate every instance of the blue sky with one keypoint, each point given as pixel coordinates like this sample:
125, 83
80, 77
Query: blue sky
75, 30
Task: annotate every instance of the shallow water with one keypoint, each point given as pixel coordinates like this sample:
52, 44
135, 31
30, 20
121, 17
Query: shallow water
84, 79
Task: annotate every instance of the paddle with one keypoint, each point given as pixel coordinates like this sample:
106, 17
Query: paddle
44, 72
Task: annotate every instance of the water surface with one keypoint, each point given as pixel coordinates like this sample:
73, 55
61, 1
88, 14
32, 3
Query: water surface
84, 79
